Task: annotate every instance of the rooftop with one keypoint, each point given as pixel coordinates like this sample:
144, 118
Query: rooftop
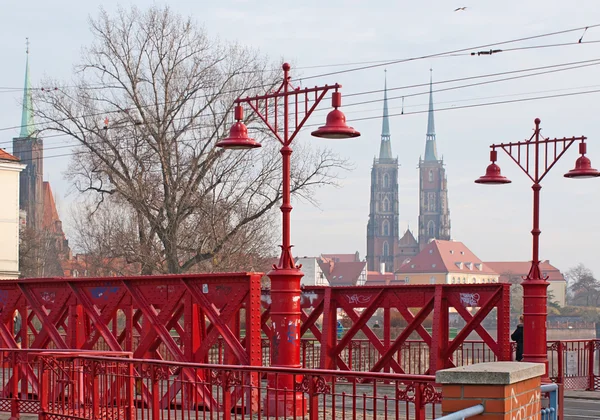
4, 155
446, 257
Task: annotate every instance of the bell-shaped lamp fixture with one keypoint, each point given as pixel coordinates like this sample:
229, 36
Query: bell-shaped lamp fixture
238, 134
335, 126
583, 166
493, 175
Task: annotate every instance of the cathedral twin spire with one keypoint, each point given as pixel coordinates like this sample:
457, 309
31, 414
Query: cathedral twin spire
385, 149
430, 147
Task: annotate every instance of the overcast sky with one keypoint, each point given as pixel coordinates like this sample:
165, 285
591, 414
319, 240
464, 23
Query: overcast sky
493, 221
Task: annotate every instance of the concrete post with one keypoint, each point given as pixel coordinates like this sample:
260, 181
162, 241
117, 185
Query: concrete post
507, 390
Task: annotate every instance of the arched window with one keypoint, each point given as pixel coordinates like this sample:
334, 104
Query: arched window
386, 204
386, 180
431, 229
430, 175
385, 228
386, 249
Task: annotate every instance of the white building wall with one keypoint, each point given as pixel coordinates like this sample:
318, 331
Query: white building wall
9, 219
313, 275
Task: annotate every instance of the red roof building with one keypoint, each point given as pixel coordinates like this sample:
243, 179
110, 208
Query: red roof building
343, 269
4, 155
514, 271
446, 262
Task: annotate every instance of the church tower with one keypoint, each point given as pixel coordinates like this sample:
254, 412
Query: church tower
434, 215
382, 228
30, 150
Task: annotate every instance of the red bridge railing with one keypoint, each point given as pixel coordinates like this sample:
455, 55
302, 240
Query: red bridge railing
69, 386
178, 317
414, 304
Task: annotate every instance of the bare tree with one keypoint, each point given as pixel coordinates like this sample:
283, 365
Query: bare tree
149, 101
38, 254
582, 285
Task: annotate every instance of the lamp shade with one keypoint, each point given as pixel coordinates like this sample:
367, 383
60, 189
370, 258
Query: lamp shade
493, 176
238, 138
583, 169
335, 127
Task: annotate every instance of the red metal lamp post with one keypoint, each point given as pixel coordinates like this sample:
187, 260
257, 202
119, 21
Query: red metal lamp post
285, 276
536, 157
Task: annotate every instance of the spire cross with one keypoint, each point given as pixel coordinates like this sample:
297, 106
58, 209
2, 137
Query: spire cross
27, 45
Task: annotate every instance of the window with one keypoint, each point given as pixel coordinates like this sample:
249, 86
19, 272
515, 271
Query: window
430, 175
385, 228
407, 280
453, 280
386, 249
432, 265
386, 180
474, 280
432, 280
386, 204
431, 228
431, 201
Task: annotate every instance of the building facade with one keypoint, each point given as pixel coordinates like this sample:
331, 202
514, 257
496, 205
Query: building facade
10, 168
445, 262
434, 214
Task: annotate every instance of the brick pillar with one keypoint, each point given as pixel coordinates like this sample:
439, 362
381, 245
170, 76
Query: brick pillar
507, 390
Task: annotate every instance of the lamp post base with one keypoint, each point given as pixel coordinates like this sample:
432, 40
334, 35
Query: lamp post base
283, 403
282, 398
534, 322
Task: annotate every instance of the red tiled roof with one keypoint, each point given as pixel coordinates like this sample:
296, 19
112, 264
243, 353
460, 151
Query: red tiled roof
50, 215
4, 155
521, 269
341, 257
375, 278
446, 257
342, 273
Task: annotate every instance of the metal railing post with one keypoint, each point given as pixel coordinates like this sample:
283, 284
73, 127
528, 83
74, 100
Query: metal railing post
14, 403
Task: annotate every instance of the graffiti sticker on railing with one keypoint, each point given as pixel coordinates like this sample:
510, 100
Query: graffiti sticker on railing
355, 298
469, 299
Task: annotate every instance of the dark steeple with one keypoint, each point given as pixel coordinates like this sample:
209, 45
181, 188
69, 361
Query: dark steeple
430, 148
385, 150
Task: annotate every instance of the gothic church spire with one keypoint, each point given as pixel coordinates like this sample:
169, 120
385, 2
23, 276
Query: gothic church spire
430, 147
27, 125
385, 150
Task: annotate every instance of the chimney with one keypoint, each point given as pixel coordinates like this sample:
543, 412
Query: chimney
382, 268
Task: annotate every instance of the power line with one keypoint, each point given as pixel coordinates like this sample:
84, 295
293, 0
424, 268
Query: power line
481, 76
545, 97
475, 84
554, 66
199, 126
404, 60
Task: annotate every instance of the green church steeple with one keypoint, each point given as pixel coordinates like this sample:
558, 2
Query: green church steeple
27, 124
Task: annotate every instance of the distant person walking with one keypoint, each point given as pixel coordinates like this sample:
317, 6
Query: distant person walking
517, 336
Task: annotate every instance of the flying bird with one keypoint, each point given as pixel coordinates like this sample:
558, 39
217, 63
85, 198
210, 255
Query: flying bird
460, 9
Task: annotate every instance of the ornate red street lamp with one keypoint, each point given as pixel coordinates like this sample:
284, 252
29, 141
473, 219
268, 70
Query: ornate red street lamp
285, 276
536, 157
